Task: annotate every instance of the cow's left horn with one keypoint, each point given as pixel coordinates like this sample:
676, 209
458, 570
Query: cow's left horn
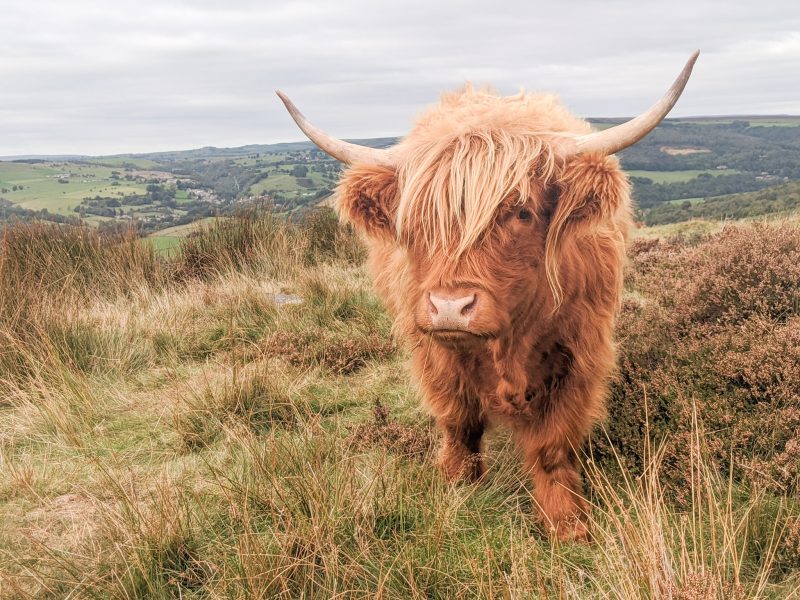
620, 137
339, 149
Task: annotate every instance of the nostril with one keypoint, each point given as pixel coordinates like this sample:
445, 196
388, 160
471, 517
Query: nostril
431, 306
470, 305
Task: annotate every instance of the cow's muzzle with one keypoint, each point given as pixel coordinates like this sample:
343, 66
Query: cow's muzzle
454, 314
450, 310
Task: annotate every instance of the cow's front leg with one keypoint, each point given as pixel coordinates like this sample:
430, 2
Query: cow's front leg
447, 379
510, 357
459, 457
562, 411
557, 487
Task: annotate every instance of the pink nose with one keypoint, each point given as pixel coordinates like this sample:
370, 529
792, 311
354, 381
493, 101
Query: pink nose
449, 310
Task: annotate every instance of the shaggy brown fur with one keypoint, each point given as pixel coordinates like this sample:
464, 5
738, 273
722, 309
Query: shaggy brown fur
480, 201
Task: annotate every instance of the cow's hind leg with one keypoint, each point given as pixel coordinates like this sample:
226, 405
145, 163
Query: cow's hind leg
459, 457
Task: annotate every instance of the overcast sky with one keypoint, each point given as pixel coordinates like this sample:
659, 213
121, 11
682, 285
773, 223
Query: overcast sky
114, 76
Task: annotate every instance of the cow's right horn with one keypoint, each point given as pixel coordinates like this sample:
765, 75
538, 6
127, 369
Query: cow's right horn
620, 137
339, 149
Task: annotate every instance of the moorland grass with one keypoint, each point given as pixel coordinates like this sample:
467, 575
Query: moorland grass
169, 431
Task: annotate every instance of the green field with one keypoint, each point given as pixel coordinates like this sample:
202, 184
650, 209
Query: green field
263, 159
166, 241
164, 244
679, 176
41, 188
286, 183
124, 161
755, 121
692, 201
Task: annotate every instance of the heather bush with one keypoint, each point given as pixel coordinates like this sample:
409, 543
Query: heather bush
740, 273
713, 328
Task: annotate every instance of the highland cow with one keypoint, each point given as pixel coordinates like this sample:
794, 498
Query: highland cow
496, 232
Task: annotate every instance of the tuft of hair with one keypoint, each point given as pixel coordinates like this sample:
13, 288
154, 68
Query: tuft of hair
469, 153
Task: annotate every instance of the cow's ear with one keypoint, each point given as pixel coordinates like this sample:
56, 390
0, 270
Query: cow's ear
591, 189
367, 197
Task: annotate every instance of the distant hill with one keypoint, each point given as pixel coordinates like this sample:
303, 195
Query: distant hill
684, 162
775, 200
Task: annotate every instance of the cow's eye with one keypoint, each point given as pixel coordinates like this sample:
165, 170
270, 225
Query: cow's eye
524, 214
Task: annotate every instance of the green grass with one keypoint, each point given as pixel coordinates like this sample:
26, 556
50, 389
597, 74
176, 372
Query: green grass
168, 241
679, 176
164, 244
180, 231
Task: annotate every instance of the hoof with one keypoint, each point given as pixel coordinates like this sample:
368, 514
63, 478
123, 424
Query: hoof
571, 530
468, 470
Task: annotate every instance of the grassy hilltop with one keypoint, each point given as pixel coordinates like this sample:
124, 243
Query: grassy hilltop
234, 421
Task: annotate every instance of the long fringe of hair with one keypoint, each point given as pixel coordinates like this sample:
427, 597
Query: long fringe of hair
451, 190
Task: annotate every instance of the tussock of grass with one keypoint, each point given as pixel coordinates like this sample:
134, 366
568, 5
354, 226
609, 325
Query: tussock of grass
168, 430
258, 399
254, 239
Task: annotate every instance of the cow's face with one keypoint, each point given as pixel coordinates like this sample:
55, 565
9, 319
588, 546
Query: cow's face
445, 194
510, 270
469, 196
478, 294
460, 296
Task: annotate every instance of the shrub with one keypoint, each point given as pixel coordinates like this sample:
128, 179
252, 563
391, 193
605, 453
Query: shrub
714, 329
234, 244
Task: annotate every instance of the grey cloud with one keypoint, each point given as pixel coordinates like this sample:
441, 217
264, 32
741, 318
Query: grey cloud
100, 77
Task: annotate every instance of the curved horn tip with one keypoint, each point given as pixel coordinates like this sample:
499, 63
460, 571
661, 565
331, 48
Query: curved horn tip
693, 58
285, 99
619, 137
339, 149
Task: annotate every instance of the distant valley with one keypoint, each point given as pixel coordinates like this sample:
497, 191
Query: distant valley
713, 168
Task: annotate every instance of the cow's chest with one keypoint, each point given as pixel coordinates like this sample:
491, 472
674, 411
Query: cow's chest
546, 368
